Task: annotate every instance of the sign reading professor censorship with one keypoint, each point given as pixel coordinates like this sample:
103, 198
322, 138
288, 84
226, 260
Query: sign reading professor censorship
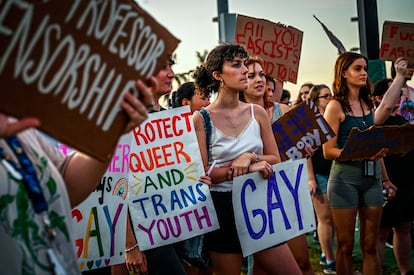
166, 201
68, 62
279, 45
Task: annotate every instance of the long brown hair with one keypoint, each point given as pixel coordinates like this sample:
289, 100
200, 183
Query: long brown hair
340, 87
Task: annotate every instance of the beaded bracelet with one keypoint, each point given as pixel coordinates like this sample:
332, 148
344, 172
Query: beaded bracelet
131, 248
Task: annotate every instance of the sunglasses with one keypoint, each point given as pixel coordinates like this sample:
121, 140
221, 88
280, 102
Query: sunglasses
305, 92
325, 96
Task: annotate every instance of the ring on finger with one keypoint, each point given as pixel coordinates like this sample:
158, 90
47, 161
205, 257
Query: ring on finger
150, 106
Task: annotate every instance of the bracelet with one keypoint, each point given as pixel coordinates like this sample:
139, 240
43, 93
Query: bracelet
385, 180
131, 248
256, 157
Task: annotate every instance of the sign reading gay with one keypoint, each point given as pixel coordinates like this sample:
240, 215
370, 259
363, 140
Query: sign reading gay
269, 212
166, 201
68, 63
279, 45
301, 126
99, 222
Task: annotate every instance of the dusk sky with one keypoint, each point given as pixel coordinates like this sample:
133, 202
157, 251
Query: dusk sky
191, 22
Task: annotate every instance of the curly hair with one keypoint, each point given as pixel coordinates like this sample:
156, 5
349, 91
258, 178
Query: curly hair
215, 60
340, 87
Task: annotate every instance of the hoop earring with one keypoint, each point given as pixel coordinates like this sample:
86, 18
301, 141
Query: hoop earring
222, 84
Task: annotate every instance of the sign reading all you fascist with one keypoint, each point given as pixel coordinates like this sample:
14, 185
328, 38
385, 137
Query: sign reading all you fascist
279, 45
68, 62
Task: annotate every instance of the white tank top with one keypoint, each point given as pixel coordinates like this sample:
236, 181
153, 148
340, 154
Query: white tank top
225, 149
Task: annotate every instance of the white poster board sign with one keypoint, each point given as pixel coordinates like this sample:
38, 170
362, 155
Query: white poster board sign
99, 222
269, 212
167, 203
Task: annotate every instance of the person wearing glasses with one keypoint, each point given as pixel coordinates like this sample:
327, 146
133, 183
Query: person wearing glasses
318, 173
303, 93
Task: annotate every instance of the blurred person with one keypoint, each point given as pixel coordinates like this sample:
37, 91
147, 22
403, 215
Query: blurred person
189, 94
39, 188
303, 93
351, 189
406, 108
318, 173
256, 93
285, 98
161, 260
398, 214
241, 142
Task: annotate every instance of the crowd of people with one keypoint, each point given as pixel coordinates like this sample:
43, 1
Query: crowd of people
246, 103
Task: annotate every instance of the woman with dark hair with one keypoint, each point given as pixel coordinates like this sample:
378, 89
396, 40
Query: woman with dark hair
241, 141
355, 187
318, 174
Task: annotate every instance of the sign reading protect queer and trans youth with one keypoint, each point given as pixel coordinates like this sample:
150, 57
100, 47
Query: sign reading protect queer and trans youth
279, 45
302, 125
361, 144
397, 41
166, 201
68, 62
269, 212
99, 222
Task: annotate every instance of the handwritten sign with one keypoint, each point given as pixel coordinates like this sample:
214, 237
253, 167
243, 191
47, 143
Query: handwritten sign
68, 62
167, 203
99, 222
363, 144
300, 126
269, 212
279, 45
397, 41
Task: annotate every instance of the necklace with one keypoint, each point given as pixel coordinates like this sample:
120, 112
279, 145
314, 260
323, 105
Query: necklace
364, 122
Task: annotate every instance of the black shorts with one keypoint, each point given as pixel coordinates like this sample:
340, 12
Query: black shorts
400, 209
224, 239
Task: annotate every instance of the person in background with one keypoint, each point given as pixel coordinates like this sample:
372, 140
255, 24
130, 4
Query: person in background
39, 187
303, 93
241, 142
285, 98
406, 109
318, 173
256, 93
189, 94
398, 214
161, 260
352, 189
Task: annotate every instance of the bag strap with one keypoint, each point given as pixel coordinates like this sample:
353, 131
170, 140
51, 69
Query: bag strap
208, 129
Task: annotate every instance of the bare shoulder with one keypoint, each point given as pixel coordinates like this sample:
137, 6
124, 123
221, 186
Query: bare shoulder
334, 109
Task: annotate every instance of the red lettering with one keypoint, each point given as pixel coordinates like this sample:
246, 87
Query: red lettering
178, 148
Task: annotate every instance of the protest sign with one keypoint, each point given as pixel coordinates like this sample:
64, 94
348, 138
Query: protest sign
269, 212
300, 126
397, 41
166, 201
68, 63
279, 45
366, 143
99, 222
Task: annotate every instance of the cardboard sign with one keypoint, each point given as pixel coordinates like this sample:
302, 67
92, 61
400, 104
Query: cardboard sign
300, 126
166, 201
397, 41
279, 45
363, 144
269, 212
68, 62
